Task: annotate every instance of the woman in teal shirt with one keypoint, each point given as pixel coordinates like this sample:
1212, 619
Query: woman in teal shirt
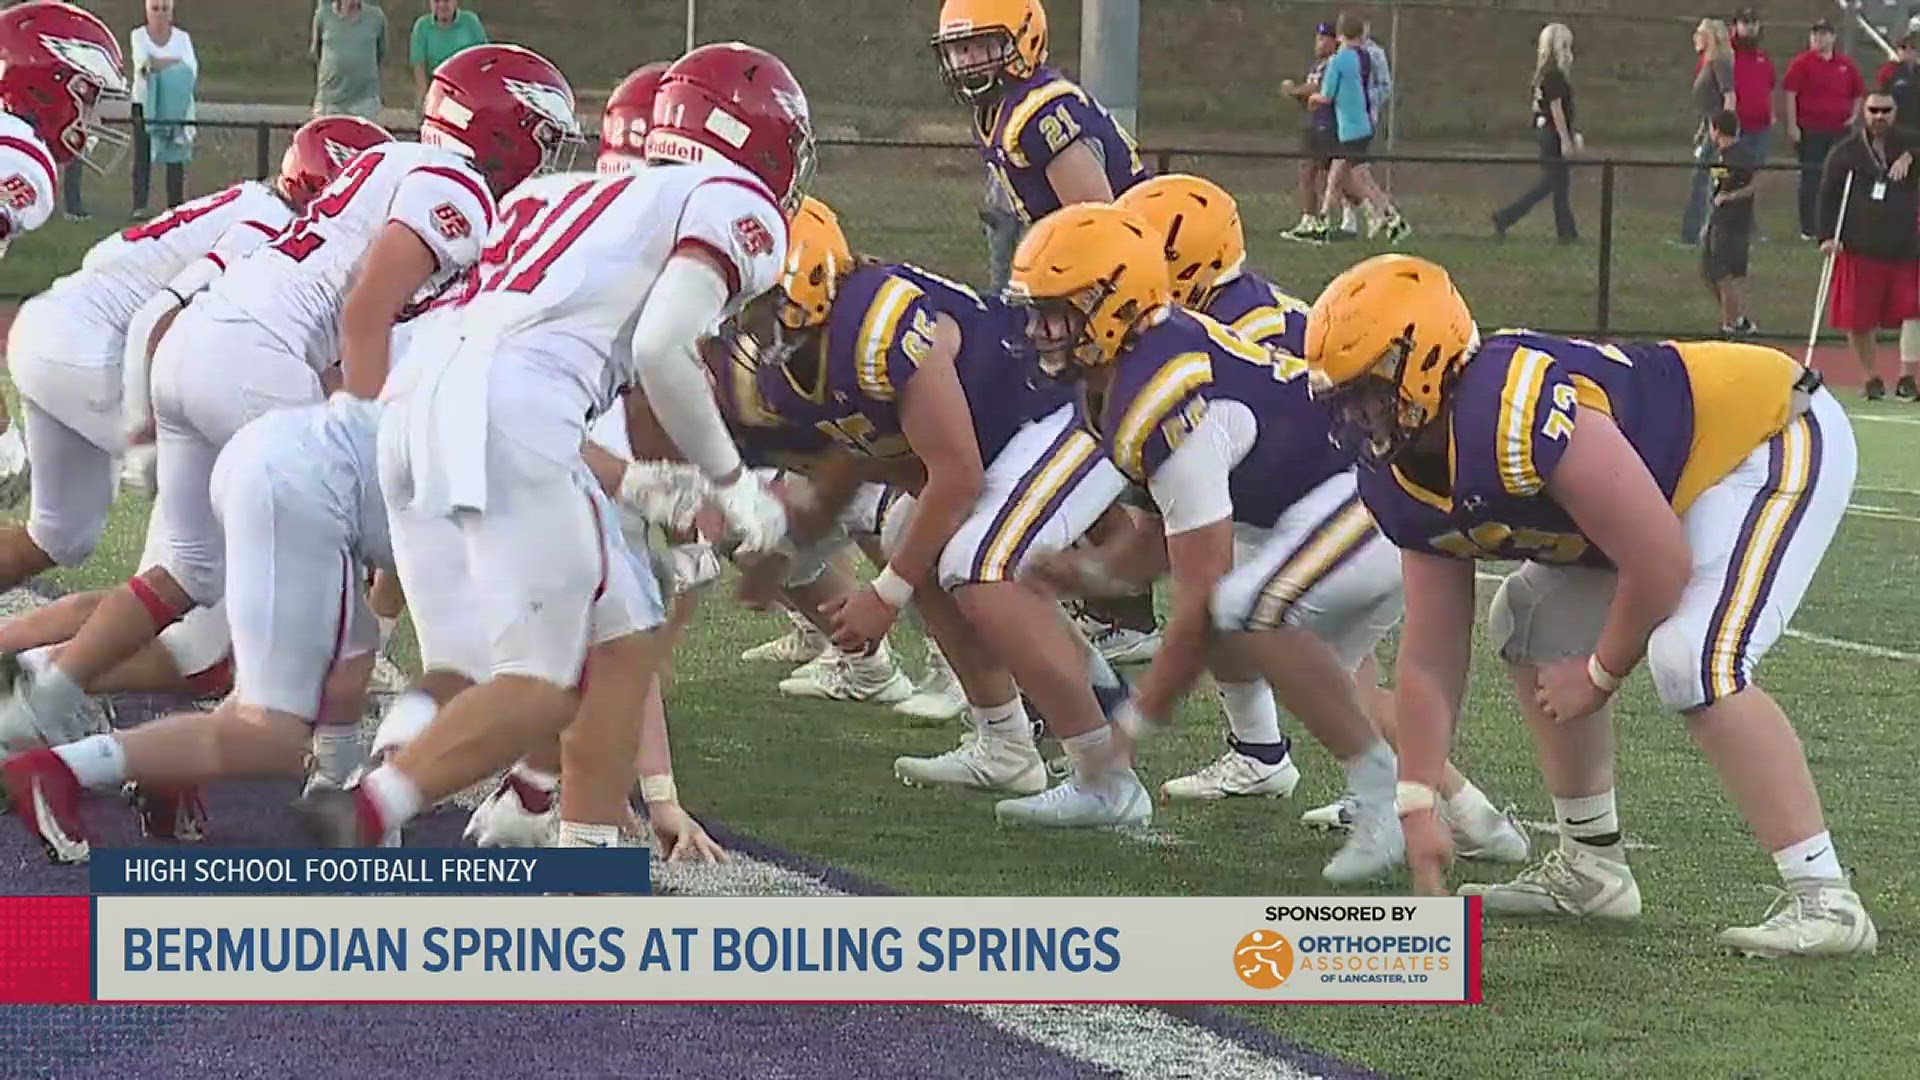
445, 30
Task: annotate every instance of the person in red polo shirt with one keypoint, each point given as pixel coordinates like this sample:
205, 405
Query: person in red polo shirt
1824, 88
1753, 83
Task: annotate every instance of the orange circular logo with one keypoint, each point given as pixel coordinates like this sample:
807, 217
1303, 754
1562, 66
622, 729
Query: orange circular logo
1263, 959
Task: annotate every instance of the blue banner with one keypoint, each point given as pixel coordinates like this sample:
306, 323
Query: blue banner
429, 871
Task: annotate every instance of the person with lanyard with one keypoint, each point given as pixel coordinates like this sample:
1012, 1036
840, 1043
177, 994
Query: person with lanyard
1869, 202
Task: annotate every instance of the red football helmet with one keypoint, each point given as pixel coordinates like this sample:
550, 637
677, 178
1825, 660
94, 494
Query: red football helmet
739, 103
56, 63
502, 107
623, 128
320, 149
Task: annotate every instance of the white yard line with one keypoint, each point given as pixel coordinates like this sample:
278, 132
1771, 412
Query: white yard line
1871, 418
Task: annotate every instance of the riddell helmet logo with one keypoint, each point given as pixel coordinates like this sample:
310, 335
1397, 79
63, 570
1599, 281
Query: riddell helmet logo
1263, 959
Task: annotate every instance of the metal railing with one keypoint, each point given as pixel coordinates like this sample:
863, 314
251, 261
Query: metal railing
1628, 275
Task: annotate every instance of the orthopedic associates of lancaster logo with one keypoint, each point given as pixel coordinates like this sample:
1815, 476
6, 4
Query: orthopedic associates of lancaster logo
1263, 960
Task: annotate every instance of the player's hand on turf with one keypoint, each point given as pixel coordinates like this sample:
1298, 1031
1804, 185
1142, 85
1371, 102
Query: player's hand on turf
1566, 692
1429, 851
756, 517
682, 839
858, 619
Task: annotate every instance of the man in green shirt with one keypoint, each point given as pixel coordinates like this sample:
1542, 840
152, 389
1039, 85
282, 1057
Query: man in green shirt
446, 30
349, 42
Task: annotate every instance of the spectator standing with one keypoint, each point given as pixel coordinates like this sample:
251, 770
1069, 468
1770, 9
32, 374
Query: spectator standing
1712, 91
1318, 139
348, 45
157, 47
1379, 96
1876, 248
1723, 250
1753, 84
1823, 88
1345, 88
1553, 119
1900, 78
445, 29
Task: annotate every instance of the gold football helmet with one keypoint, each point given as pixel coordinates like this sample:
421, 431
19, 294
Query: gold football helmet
1201, 223
982, 44
1089, 275
1385, 343
784, 321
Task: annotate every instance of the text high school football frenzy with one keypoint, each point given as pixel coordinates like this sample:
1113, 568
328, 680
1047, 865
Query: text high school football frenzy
545, 405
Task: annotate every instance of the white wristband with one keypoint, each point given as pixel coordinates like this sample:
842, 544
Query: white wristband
659, 789
892, 588
1410, 797
1606, 680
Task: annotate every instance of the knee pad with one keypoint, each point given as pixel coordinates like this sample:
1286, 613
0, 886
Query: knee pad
1677, 659
1543, 613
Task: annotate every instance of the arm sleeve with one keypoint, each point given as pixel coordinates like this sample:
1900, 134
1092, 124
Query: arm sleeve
684, 302
1152, 421
886, 360
418, 47
188, 57
449, 209
1048, 130
479, 28
1191, 485
736, 222
1796, 77
1523, 432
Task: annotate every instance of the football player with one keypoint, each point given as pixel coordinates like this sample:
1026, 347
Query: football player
907, 370
1221, 433
400, 222
1046, 143
1667, 502
57, 63
1206, 259
68, 344
605, 283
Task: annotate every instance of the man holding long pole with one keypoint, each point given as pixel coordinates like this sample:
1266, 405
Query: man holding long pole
1875, 244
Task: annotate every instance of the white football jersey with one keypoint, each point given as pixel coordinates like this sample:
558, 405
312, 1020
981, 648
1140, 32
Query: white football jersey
27, 183
123, 271
296, 285
569, 267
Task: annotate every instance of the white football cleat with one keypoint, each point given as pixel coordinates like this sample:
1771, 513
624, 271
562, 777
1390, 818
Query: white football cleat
1375, 845
938, 696
23, 724
1335, 816
1235, 775
1485, 834
1572, 880
1814, 918
517, 814
983, 761
1117, 643
803, 644
1114, 800
851, 678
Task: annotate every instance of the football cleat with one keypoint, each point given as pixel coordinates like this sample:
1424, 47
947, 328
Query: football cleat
1333, 816
1485, 834
1375, 845
1118, 644
1115, 800
803, 644
938, 696
336, 818
517, 814
178, 815
1235, 775
1813, 918
983, 762
839, 677
1572, 880
46, 797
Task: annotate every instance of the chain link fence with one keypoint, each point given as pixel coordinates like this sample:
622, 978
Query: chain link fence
1629, 274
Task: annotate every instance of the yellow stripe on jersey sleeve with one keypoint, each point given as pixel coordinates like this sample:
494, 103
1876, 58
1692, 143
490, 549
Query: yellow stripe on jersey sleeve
1591, 395
1519, 398
1163, 396
1023, 114
1261, 324
878, 332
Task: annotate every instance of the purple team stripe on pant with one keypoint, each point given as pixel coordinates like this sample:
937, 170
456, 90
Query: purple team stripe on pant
1729, 592
1032, 476
1794, 516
